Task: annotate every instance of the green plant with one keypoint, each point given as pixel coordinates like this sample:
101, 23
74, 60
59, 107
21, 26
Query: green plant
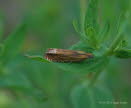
95, 39
31, 84
14, 82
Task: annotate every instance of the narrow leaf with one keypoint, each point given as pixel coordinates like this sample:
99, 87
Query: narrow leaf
38, 58
123, 53
14, 42
123, 44
103, 35
89, 65
91, 35
121, 26
81, 45
91, 15
22, 85
76, 26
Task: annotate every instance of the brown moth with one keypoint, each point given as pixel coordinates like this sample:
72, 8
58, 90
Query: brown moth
62, 55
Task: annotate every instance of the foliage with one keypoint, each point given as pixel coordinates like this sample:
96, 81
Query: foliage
39, 83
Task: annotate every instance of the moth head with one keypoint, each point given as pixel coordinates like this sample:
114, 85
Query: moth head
52, 51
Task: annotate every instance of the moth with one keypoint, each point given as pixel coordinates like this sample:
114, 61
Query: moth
63, 55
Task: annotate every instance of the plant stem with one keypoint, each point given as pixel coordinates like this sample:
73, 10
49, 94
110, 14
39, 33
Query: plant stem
94, 79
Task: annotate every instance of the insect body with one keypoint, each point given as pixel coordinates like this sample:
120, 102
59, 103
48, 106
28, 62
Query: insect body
62, 55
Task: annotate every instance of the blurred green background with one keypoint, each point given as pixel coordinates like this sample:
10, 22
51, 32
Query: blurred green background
25, 83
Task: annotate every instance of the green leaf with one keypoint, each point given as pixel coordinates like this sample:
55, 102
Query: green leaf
14, 42
89, 65
103, 34
121, 26
123, 53
10, 79
80, 97
84, 67
91, 15
91, 36
122, 44
38, 58
84, 97
76, 26
20, 84
82, 45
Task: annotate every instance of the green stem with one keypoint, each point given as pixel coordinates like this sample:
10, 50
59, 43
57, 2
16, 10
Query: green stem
94, 79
